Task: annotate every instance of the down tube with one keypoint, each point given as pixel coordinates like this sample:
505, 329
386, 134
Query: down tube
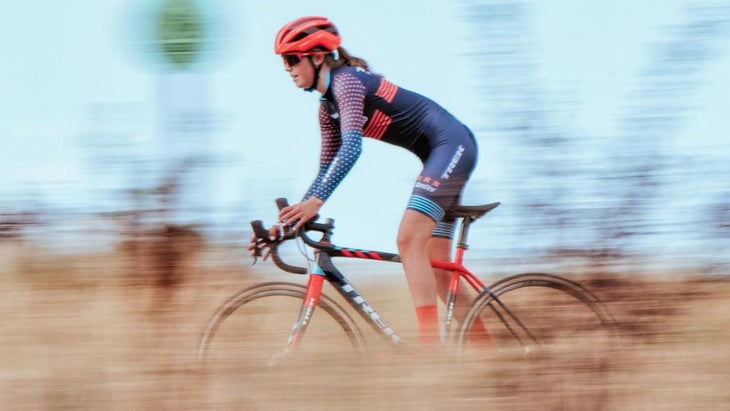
357, 301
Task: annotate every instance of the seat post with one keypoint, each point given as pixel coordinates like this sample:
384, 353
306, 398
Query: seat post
462, 245
467, 214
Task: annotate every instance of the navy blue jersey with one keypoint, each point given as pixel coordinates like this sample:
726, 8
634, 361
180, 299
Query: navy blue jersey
361, 104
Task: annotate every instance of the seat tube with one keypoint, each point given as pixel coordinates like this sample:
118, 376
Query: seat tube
450, 304
459, 259
455, 281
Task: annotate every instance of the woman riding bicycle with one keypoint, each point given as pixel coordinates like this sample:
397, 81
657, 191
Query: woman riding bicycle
357, 103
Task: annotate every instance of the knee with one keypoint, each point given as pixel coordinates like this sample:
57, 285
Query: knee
404, 242
414, 233
409, 242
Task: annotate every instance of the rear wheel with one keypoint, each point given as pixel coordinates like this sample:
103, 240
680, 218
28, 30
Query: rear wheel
534, 310
557, 327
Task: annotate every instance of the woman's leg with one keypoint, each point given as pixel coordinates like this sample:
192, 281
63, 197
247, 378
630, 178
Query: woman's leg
444, 174
439, 248
413, 238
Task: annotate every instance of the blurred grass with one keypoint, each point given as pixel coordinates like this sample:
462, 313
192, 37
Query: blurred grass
77, 335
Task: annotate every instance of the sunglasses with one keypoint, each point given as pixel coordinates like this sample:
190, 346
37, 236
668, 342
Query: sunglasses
292, 59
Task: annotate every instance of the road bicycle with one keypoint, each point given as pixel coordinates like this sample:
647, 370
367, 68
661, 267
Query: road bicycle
527, 311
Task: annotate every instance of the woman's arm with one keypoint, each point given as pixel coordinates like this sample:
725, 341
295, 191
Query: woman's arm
341, 147
341, 141
331, 142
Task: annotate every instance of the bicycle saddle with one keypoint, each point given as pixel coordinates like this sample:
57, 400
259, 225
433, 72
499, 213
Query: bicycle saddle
463, 211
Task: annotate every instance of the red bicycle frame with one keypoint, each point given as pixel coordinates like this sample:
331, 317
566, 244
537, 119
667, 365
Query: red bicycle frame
322, 268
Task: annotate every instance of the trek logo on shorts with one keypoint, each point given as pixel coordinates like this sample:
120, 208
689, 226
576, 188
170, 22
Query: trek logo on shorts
454, 161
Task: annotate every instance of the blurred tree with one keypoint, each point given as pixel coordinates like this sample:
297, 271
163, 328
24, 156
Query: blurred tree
523, 117
12, 224
145, 194
547, 174
718, 215
14, 232
637, 184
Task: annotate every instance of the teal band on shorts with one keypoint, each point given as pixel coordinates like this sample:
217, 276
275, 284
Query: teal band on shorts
426, 206
444, 229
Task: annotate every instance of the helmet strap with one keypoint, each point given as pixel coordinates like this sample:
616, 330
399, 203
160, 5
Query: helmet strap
316, 75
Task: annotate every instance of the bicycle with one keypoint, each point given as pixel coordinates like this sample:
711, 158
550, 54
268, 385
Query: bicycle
507, 314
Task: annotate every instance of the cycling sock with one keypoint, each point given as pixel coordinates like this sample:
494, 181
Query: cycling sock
428, 325
479, 333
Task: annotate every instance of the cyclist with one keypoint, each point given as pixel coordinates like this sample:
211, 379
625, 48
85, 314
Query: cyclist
357, 103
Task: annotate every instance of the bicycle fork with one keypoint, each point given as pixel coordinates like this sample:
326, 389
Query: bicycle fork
311, 299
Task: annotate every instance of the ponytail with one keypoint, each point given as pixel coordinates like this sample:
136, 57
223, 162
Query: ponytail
345, 59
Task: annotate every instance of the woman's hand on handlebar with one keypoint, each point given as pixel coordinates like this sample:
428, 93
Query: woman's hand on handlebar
300, 213
259, 248
291, 218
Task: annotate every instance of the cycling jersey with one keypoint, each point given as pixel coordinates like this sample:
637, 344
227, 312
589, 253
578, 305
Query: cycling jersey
361, 104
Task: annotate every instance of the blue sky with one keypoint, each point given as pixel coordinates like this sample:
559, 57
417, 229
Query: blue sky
79, 69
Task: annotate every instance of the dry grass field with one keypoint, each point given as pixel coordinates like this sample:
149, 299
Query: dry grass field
75, 335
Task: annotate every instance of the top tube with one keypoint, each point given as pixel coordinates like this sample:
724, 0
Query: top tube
467, 214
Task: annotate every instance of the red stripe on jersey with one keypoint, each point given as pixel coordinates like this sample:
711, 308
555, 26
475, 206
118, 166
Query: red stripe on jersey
386, 90
377, 126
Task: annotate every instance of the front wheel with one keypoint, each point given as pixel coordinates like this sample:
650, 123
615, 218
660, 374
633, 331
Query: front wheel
250, 331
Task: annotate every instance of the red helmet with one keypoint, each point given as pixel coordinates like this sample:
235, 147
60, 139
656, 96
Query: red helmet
306, 33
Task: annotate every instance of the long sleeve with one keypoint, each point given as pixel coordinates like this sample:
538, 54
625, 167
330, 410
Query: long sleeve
341, 136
